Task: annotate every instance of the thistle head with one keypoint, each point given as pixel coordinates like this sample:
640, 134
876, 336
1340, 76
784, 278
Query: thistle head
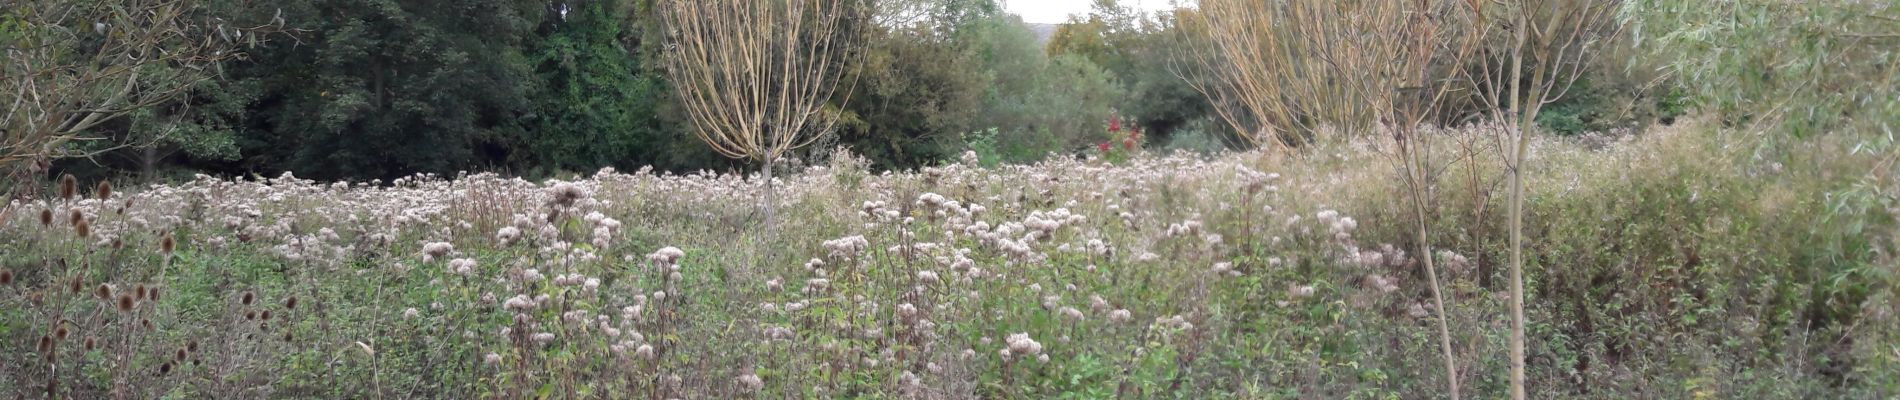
126, 302
68, 187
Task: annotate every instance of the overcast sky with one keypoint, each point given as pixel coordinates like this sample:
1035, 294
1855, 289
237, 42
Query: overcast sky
1058, 11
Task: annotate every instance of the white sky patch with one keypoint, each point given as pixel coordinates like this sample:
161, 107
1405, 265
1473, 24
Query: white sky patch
1058, 11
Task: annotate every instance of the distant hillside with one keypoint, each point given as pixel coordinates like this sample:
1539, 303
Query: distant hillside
1043, 31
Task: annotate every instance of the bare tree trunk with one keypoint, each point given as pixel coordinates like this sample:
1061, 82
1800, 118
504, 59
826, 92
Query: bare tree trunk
1516, 168
1438, 299
1517, 269
148, 163
769, 202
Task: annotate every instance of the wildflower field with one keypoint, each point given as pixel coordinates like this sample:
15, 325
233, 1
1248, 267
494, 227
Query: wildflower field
1670, 265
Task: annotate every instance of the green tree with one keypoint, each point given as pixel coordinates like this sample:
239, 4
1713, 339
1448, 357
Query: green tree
384, 88
919, 86
1036, 103
1141, 51
600, 100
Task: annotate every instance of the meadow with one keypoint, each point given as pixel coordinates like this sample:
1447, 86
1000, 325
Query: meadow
1682, 263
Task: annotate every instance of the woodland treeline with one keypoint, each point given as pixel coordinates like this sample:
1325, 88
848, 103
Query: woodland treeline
377, 89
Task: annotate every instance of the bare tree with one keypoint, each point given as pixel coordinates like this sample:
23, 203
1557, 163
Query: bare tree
1365, 67
1396, 58
1538, 50
755, 76
71, 65
1276, 71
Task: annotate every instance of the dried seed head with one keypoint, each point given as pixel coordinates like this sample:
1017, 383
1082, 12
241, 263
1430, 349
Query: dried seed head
68, 186
165, 368
180, 354
62, 332
146, 323
288, 337
191, 346
6, 277
118, 243
46, 344
139, 292
247, 298
290, 303
250, 315
103, 292
166, 244
75, 284
91, 343
83, 228
46, 216
104, 191
152, 294
73, 217
265, 315
126, 302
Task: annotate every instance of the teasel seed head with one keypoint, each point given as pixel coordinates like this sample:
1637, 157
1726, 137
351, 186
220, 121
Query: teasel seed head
91, 343
6, 277
247, 298
68, 187
83, 228
152, 294
139, 292
46, 344
165, 368
103, 292
264, 315
75, 284
166, 244
103, 191
180, 354
290, 303
126, 302
73, 217
46, 216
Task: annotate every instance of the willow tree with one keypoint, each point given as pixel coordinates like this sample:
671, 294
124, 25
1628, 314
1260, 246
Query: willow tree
68, 66
1378, 69
755, 76
1263, 72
